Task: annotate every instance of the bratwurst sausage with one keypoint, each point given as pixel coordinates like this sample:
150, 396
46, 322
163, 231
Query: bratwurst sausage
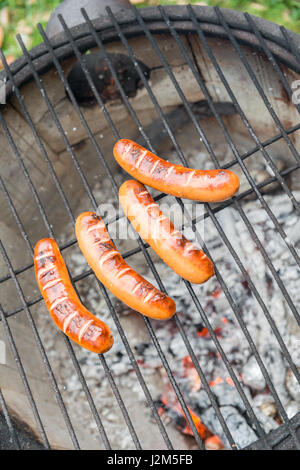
63, 304
156, 229
111, 269
198, 185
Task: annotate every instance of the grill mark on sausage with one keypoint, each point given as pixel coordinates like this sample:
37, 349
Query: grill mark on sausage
137, 286
100, 225
44, 254
107, 256
44, 271
190, 176
57, 302
171, 168
68, 320
123, 271
84, 328
140, 159
127, 149
51, 283
107, 245
101, 241
149, 296
154, 167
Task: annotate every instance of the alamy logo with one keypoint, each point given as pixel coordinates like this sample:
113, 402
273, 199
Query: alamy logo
296, 94
2, 352
2, 92
121, 229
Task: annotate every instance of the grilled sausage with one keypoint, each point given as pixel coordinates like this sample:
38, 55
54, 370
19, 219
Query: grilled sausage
111, 269
63, 304
157, 230
198, 185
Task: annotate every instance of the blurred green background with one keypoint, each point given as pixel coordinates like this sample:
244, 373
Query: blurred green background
21, 16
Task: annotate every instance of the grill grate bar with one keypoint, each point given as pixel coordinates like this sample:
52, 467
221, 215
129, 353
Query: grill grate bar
230, 370
152, 266
271, 58
74, 101
24, 379
62, 133
32, 127
124, 411
75, 362
257, 84
289, 143
267, 142
253, 185
120, 402
19, 224
30, 184
290, 43
6, 415
136, 367
42, 350
88, 393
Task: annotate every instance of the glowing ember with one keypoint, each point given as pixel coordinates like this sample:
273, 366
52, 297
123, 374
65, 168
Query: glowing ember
211, 442
219, 380
191, 373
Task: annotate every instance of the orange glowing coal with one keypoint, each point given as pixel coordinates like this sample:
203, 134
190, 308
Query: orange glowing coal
191, 373
219, 380
211, 441
204, 333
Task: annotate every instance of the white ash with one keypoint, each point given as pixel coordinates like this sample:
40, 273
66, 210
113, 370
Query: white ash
292, 408
242, 434
292, 385
268, 408
233, 340
220, 315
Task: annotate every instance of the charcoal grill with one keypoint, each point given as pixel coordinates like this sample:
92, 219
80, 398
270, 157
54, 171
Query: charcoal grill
41, 152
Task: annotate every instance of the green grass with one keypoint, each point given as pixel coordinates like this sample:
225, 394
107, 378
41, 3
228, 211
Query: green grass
23, 17
25, 14
284, 12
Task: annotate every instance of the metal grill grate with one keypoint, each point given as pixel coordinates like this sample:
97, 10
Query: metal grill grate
169, 22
